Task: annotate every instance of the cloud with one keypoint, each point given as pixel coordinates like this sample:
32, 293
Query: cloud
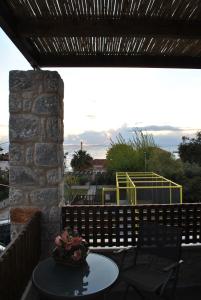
169, 140
98, 138
3, 132
91, 116
159, 128
165, 136
87, 137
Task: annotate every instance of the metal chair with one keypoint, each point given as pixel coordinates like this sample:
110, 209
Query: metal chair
156, 261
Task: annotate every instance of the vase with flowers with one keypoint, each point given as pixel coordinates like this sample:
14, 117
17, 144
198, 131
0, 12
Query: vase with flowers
71, 249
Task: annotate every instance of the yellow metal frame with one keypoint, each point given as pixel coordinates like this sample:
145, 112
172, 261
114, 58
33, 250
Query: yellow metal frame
130, 181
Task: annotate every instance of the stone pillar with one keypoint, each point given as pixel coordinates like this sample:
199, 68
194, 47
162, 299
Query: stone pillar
36, 149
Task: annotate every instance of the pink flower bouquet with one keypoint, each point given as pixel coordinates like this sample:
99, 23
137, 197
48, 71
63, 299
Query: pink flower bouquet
71, 249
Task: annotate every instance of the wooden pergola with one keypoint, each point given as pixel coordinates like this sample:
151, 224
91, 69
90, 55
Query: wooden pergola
105, 33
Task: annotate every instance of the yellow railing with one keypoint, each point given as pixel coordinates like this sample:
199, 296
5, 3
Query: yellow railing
104, 191
132, 182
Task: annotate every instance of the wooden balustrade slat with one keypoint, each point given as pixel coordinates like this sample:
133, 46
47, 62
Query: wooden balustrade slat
19, 260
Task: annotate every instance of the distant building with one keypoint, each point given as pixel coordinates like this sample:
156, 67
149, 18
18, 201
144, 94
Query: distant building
4, 156
4, 165
99, 165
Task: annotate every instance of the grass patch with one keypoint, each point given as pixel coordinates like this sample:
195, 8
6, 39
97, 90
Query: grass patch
79, 191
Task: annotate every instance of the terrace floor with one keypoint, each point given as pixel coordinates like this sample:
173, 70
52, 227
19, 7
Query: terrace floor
189, 284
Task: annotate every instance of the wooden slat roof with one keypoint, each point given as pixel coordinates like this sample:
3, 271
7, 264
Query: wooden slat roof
105, 33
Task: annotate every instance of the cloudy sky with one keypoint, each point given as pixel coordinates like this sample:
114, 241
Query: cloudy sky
100, 103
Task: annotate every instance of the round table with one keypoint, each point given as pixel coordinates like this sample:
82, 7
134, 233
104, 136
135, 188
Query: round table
55, 281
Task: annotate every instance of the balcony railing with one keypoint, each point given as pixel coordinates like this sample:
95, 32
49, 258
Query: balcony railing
19, 259
109, 226
85, 200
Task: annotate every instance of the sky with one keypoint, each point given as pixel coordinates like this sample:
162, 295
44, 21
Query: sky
100, 103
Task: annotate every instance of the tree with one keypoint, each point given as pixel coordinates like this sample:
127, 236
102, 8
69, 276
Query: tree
142, 141
81, 161
192, 190
190, 154
190, 149
69, 193
122, 157
130, 155
191, 182
164, 163
141, 154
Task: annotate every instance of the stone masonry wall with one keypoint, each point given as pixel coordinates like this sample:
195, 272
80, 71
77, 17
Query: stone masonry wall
36, 149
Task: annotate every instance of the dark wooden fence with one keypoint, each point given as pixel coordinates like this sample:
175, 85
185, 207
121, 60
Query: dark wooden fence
5, 232
108, 226
19, 260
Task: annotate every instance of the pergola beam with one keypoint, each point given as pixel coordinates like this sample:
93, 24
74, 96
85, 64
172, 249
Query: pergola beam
126, 26
22, 30
8, 22
146, 61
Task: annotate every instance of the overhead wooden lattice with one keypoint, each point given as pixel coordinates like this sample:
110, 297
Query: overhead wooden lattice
113, 33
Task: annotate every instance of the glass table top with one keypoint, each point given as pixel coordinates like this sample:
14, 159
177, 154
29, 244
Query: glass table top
62, 282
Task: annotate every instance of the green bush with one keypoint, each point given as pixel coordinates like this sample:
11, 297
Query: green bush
106, 178
83, 180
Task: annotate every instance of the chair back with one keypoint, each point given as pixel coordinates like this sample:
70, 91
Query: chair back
160, 240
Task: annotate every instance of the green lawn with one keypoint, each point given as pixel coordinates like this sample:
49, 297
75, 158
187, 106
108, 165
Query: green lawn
79, 191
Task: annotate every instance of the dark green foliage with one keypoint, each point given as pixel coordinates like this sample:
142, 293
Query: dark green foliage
106, 178
83, 180
190, 179
190, 149
4, 193
191, 170
69, 181
190, 154
81, 161
192, 189
164, 163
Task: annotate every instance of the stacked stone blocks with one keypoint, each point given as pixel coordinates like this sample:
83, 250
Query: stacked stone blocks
36, 144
